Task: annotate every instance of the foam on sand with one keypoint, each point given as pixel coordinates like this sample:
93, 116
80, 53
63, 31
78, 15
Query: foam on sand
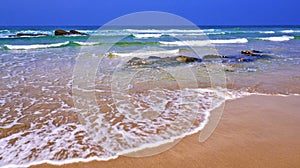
178, 113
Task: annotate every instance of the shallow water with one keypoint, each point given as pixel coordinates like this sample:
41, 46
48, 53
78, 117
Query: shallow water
52, 113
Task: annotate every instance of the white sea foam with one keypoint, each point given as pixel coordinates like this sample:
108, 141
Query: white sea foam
229, 41
41, 46
267, 32
35, 32
152, 35
204, 42
281, 38
35, 46
146, 53
86, 43
186, 43
290, 31
87, 31
45, 143
169, 30
196, 34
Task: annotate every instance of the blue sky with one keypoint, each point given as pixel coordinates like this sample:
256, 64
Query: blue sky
200, 12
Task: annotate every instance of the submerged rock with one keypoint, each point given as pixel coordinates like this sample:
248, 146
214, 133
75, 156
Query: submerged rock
136, 61
245, 56
233, 67
251, 52
245, 59
214, 56
186, 59
164, 61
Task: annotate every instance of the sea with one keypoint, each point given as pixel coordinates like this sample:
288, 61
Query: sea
72, 98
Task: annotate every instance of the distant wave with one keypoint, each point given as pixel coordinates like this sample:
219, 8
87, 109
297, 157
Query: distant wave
35, 32
228, 41
290, 31
125, 44
169, 30
4, 31
186, 43
35, 46
280, 38
147, 35
147, 43
267, 32
248, 32
55, 45
85, 43
204, 42
73, 43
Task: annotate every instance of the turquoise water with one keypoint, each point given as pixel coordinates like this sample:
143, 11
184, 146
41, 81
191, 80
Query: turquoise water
139, 34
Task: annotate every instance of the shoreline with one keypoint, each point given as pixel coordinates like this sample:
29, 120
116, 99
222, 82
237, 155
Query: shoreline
247, 135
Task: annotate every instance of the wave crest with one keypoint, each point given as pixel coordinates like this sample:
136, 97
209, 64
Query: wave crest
280, 38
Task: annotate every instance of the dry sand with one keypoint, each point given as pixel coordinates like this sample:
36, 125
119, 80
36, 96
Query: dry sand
255, 131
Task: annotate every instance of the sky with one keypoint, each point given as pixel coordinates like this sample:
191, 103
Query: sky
99, 12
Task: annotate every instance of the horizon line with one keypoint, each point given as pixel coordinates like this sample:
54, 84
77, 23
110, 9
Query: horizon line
217, 25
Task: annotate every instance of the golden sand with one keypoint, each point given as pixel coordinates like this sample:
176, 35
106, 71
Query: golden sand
255, 131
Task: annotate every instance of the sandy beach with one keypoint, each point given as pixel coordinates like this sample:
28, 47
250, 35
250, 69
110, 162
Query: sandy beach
255, 131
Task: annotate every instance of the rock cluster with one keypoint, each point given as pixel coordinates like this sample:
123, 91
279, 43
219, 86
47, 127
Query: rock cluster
71, 32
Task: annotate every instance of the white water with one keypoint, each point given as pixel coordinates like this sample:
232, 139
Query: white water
35, 46
146, 53
65, 137
204, 42
281, 38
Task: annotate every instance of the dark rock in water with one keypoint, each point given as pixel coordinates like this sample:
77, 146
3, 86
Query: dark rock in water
77, 32
137, 61
256, 51
33, 35
256, 54
233, 67
153, 57
162, 61
61, 33
186, 59
214, 56
238, 59
245, 59
28, 35
251, 52
245, 56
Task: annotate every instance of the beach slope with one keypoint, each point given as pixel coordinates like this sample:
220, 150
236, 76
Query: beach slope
255, 131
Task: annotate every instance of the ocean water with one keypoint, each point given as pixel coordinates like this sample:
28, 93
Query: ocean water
54, 111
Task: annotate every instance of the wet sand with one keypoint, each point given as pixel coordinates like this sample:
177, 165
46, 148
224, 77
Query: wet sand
255, 131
